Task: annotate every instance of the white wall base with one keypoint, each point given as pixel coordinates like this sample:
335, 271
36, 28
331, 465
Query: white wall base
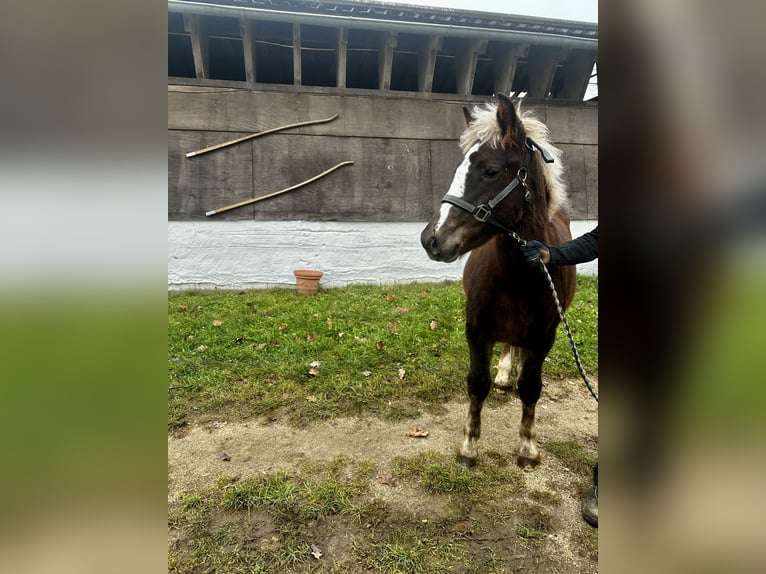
258, 254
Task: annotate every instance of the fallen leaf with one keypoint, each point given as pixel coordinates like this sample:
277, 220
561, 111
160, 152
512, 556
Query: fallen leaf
261, 345
217, 323
315, 363
311, 399
190, 337
366, 373
390, 297
401, 373
387, 479
316, 552
417, 432
313, 372
360, 339
310, 338
423, 294
402, 310
379, 345
201, 348
182, 307
283, 327
223, 457
434, 325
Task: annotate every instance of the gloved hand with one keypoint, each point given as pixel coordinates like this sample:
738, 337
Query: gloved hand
534, 251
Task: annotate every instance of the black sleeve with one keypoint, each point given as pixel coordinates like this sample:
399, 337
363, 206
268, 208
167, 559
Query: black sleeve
580, 250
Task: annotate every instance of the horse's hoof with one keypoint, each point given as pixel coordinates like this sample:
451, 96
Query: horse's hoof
528, 464
466, 461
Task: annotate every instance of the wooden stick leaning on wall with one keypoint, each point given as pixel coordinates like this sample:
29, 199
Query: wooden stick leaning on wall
281, 191
256, 135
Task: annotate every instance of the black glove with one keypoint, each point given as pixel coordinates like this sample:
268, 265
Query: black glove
531, 251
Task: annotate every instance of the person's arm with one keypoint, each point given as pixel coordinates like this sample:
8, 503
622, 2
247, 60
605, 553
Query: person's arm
580, 250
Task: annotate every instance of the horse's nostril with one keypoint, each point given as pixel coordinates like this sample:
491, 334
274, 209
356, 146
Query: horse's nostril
433, 245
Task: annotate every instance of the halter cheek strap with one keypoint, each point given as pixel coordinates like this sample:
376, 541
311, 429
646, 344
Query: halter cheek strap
483, 212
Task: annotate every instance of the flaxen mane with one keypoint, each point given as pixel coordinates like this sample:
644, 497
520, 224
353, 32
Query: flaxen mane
485, 129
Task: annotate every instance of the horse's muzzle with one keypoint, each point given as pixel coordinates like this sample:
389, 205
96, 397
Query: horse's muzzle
436, 249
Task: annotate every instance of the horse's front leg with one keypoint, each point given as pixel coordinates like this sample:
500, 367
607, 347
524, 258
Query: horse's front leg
478, 383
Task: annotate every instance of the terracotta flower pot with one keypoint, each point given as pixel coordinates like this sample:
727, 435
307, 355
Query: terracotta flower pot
307, 281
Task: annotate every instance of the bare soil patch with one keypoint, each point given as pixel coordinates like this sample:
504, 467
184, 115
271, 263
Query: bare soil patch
537, 528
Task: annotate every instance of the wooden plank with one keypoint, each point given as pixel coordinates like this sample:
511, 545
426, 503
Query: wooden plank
195, 187
297, 54
386, 59
248, 46
195, 25
590, 156
541, 66
252, 111
385, 183
574, 170
466, 64
572, 124
342, 50
427, 62
445, 157
576, 74
505, 60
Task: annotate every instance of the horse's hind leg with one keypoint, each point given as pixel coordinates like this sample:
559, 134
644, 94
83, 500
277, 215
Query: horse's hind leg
504, 379
478, 383
530, 386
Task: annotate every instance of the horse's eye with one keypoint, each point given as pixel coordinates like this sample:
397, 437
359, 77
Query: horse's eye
491, 174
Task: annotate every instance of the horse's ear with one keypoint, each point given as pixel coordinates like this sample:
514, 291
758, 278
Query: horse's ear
467, 116
508, 120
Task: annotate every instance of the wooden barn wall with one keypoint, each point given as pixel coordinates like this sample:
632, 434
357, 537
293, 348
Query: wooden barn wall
404, 151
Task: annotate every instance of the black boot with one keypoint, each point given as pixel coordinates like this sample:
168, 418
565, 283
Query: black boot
590, 506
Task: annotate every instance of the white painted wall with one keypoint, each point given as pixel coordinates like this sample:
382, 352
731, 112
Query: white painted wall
258, 254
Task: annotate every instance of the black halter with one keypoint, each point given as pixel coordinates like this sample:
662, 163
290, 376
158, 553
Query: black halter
483, 212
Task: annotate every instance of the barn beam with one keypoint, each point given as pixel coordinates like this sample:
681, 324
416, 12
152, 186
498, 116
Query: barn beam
248, 47
576, 74
427, 63
342, 51
466, 65
386, 59
505, 66
195, 26
297, 54
541, 66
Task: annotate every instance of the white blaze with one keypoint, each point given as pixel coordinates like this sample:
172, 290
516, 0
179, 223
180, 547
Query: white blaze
457, 187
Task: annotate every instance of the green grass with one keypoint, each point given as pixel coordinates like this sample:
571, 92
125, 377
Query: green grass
572, 455
409, 552
389, 351
441, 474
321, 491
269, 523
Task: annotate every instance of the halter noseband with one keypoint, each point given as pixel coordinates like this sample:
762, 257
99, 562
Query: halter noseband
483, 212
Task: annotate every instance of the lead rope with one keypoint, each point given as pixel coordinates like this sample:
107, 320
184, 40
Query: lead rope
562, 316
568, 331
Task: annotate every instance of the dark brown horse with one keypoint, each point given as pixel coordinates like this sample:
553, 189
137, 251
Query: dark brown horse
507, 189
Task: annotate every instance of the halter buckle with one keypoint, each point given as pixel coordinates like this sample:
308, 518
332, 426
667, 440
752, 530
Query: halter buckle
482, 213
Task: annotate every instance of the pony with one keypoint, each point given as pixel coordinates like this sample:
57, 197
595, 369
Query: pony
508, 189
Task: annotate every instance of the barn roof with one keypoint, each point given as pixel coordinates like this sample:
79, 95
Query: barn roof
362, 11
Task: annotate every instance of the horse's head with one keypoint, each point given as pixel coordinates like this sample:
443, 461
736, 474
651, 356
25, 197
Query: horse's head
500, 181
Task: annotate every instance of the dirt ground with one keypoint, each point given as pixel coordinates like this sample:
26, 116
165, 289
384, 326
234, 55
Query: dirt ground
566, 412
